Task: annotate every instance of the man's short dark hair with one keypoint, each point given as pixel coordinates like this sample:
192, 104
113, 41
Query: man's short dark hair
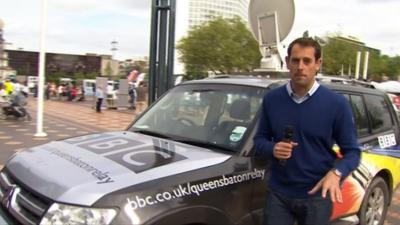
306, 42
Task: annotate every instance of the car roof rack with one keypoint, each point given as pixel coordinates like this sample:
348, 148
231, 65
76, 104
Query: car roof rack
320, 78
344, 80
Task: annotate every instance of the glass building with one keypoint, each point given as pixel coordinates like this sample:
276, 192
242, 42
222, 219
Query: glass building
201, 11
192, 13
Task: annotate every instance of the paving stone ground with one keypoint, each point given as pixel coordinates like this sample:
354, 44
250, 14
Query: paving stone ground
61, 120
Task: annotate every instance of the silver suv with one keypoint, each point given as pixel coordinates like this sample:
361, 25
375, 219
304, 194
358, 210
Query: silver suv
189, 159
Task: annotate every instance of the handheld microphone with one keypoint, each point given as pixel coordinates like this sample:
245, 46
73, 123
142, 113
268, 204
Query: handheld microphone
288, 137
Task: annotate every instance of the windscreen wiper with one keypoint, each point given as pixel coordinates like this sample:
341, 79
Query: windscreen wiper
204, 144
152, 133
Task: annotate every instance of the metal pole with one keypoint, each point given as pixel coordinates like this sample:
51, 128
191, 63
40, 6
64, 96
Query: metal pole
153, 52
2, 44
357, 74
162, 40
366, 58
42, 63
171, 44
162, 43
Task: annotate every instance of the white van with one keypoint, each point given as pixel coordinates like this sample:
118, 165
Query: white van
89, 86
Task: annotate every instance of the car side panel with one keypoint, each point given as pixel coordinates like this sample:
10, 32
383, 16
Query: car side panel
216, 194
355, 186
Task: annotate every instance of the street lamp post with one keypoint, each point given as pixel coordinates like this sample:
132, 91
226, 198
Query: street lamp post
114, 48
42, 63
1, 51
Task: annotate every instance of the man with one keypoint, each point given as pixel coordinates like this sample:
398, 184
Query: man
3, 94
132, 97
8, 86
100, 97
305, 173
16, 86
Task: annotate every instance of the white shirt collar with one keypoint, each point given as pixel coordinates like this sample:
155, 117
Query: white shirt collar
310, 92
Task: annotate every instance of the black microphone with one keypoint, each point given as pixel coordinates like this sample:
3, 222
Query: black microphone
288, 137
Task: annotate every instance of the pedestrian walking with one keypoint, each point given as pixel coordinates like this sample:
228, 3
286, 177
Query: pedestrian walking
8, 86
25, 89
3, 94
47, 90
100, 97
16, 85
132, 97
299, 124
74, 93
82, 94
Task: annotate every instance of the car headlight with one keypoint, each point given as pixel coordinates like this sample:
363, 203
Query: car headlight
73, 215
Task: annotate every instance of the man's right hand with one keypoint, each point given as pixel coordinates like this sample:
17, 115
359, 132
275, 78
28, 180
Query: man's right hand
283, 150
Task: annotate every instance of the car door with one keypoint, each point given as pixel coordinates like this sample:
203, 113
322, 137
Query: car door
377, 135
375, 121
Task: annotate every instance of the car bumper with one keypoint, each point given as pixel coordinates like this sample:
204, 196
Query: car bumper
5, 217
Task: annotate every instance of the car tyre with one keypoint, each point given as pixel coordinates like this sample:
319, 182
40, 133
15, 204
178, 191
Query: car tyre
375, 203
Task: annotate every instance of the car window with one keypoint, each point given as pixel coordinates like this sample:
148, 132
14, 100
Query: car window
359, 114
216, 114
379, 114
193, 107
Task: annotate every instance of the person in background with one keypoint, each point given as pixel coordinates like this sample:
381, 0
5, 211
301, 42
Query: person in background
3, 93
60, 91
24, 89
132, 97
16, 85
8, 87
47, 90
299, 124
68, 91
82, 94
74, 92
53, 90
35, 90
99, 97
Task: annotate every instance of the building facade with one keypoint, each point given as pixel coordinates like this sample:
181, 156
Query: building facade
139, 63
345, 62
201, 11
109, 66
5, 70
192, 13
27, 62
355, 42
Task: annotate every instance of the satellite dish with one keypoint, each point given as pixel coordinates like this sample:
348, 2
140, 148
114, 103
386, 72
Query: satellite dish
271, 22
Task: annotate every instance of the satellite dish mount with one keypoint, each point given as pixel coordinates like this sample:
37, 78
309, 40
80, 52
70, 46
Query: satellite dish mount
271, 21
271, 57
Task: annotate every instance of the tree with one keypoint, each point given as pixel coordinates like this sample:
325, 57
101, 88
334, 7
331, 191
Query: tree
55, 76
221, 46
393, 67
108, 70
338, 53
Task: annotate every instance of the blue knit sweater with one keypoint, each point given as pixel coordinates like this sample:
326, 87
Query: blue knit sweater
323, 119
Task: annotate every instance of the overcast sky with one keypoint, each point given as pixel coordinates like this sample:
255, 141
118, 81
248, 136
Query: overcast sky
89, 26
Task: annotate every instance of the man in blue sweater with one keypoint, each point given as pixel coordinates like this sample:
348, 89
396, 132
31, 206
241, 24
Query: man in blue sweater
305, 172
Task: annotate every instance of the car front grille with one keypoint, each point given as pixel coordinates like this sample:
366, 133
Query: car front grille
24, 206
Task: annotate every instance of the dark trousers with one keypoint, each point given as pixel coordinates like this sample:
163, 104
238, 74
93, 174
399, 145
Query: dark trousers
98, 104
281, 210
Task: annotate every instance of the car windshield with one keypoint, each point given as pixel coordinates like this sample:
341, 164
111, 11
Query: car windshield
216, 116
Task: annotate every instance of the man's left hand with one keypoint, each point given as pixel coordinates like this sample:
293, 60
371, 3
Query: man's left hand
330, 182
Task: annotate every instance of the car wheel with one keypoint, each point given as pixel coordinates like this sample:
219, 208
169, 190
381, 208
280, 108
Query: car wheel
375, 203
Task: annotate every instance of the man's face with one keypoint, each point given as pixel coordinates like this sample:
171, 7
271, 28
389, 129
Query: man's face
302, 65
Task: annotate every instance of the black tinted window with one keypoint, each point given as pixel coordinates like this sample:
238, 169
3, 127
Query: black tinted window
379, 113
359, 113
